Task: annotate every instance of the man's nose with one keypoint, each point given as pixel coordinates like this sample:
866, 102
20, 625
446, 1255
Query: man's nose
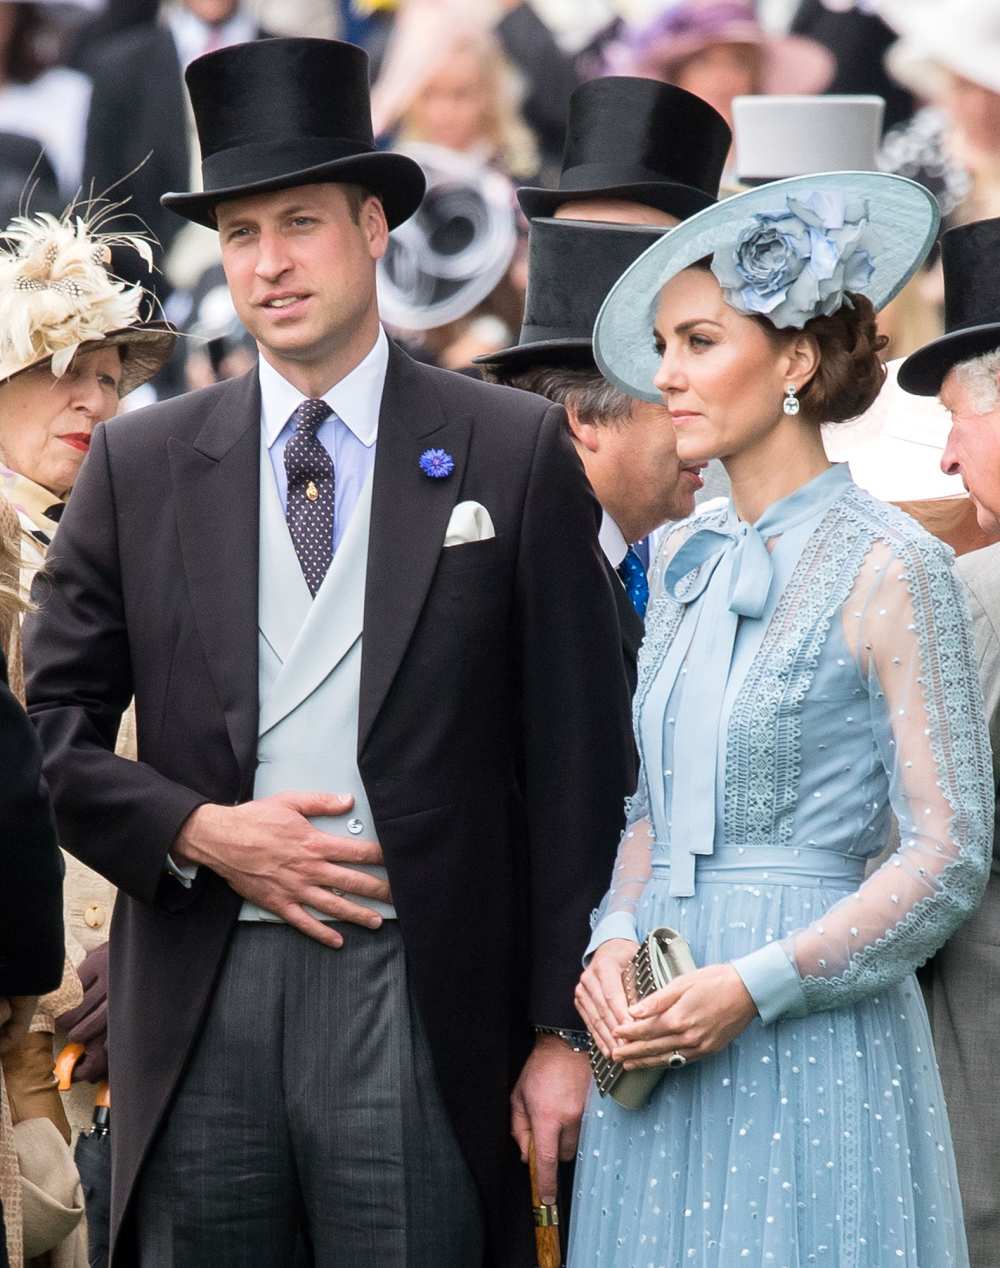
950, 464
272, 258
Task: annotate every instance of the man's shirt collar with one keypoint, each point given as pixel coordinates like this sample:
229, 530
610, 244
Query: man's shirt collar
356, 399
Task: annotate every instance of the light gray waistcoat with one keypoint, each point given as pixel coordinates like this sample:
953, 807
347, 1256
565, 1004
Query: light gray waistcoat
310, 673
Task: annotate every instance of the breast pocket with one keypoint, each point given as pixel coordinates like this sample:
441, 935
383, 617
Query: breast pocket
470, 557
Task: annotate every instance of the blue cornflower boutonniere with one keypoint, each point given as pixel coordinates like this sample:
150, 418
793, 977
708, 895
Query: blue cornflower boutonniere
437, 464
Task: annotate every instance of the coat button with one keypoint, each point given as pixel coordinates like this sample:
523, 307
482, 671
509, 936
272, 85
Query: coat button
355, 827
94, 916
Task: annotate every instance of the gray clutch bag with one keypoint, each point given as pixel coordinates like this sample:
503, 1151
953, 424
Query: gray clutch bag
663, 956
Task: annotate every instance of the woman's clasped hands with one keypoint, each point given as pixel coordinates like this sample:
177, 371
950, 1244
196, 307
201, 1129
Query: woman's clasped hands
696, 1014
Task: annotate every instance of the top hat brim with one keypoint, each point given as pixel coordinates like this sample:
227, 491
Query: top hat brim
397, 180
923, 371
576, 354
146, 348
667, 196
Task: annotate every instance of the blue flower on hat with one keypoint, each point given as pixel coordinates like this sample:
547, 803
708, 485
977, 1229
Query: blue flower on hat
437, 464
799, 261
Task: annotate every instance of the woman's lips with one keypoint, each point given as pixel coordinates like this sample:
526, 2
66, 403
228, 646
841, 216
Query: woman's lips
77, 440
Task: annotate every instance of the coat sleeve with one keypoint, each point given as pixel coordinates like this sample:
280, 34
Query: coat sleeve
117, 816
31, 920
577, 736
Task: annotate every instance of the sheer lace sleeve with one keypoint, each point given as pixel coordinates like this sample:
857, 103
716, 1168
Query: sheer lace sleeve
907, 624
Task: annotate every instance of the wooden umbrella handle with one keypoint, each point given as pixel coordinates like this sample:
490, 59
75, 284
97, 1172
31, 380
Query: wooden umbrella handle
546, 1220
65, 1062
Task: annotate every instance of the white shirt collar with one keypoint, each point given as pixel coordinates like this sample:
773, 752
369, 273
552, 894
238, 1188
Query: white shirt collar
356, 399
612, 541
192, 36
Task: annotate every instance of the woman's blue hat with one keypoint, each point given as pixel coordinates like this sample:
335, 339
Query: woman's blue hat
789, 251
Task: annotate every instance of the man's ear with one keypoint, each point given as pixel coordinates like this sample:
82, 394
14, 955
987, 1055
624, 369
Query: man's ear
588, 435
375, 226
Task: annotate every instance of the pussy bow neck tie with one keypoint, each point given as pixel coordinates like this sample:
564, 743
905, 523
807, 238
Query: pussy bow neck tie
730, 570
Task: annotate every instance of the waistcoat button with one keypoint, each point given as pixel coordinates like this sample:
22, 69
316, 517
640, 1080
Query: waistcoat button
94, 916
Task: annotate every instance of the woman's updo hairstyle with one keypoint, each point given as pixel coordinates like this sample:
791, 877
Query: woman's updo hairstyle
851, 372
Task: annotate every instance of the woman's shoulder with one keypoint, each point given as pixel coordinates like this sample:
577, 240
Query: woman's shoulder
891, 528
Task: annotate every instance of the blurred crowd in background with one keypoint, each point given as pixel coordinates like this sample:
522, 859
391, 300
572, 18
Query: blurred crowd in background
92, 103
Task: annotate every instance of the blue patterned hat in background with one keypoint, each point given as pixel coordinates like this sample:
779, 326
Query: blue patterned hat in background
789, 251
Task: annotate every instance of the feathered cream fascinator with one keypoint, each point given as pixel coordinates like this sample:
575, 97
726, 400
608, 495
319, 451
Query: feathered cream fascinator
58, 295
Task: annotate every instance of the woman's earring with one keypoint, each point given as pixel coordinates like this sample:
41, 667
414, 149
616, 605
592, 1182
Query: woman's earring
791, 402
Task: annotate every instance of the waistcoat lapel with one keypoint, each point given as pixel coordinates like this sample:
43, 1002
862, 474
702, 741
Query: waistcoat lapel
284, 601
333, 623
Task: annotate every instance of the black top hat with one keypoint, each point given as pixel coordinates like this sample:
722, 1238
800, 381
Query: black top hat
572, 264
277, 113
638, 139
970, 256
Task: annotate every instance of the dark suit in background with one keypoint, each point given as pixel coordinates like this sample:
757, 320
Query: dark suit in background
139, 124
31, 917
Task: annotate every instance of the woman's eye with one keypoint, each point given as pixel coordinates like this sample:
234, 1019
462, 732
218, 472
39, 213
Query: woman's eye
108, 380
699, 342
659, 346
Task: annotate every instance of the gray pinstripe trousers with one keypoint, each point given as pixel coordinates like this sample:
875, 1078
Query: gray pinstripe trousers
308, 1128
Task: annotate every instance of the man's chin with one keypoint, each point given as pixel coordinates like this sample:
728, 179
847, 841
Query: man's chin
988, 520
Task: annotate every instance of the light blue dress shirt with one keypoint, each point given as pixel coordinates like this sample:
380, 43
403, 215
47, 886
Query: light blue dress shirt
348, 435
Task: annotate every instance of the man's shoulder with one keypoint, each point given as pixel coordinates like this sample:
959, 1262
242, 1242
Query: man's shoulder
144, 431
505, 412
980, 574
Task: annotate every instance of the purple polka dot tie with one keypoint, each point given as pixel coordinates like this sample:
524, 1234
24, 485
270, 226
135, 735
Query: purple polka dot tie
311, 491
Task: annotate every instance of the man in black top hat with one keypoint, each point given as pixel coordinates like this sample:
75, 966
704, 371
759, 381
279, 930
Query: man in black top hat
342, 573
628, 447
962, 367
637, 152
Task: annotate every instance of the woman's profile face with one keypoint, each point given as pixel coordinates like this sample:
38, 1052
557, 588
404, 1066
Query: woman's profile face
46, 423
721, 376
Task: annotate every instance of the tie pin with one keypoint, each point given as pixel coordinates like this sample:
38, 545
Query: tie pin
312, 493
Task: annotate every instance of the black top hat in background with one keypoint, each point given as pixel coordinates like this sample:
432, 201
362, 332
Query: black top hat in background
572, 264
277, 113
970, 256
639, 140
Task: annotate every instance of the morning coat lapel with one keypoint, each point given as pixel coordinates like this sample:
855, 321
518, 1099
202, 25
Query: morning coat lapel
216, 494
410, 514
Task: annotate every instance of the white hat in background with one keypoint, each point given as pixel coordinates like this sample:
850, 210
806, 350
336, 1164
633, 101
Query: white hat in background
938, 36
784, 136
894, 449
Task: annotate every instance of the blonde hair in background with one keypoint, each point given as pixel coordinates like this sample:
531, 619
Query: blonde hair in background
504, 128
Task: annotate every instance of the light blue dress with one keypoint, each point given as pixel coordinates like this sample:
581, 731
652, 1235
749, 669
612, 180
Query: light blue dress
802, 679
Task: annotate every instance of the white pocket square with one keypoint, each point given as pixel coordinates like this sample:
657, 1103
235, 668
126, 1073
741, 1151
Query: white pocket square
469, 522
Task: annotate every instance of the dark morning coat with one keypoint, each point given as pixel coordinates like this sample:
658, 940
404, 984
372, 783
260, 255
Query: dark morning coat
31, 869
494, 745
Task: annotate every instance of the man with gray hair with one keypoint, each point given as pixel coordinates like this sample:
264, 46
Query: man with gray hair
962, 367
628, 447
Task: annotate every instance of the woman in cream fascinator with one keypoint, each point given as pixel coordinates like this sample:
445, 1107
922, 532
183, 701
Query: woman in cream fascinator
72, 344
